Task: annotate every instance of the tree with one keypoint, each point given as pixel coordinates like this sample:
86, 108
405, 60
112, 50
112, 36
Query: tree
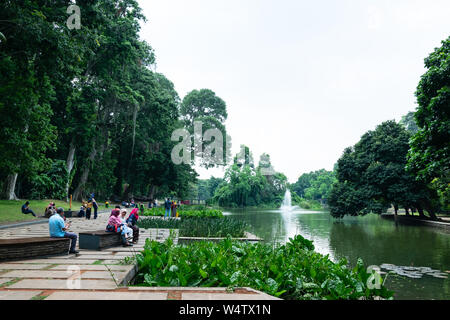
314, 185
429, 157
409, 122
203, 106
371, 176
244, 185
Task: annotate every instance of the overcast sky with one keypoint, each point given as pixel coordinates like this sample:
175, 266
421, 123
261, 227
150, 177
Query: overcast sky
302, 79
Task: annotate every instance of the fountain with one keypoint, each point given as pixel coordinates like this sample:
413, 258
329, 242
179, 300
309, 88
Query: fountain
287, 202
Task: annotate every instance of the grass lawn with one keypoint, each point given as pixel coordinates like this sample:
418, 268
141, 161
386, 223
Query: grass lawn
10, 210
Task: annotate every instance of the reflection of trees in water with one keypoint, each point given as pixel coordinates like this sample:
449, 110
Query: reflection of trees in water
268, 226
382, 242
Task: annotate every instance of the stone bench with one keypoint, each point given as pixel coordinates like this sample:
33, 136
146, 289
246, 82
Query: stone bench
97, 240
16, 249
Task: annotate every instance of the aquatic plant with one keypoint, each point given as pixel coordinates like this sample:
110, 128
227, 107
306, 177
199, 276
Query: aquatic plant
290, 271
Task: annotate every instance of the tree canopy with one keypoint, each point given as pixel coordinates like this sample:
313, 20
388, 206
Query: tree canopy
371, 176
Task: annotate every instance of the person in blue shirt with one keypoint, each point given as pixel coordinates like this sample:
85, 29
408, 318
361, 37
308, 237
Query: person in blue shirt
26, 209
167, 206
58, 227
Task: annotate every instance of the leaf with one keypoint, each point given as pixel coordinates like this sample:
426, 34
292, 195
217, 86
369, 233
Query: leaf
273, 285
203, 273
235, 276
173, 268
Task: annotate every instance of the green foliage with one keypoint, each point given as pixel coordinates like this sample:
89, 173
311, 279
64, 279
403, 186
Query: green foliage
205, 107
429, 157
290, 271
409, 123
90, 93
202, 213
314, 185
247, 186
198, 227
50, 185
371, 176
305, 203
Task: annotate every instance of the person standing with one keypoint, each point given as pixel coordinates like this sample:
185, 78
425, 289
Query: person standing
167, 206
26, 209
95, 206
174, 209
58, 229
88, 209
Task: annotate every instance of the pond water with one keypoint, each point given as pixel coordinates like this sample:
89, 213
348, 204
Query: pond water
419, 256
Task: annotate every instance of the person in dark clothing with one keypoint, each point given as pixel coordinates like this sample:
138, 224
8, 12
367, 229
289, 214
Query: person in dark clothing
95, 206
26, 209
82, 212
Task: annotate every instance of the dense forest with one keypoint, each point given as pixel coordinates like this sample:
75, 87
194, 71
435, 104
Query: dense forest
81, 109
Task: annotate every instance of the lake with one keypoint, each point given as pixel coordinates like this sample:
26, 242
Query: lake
377, 241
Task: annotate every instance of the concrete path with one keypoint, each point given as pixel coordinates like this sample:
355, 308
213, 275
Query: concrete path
94, 275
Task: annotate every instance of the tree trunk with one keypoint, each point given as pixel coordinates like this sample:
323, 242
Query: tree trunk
395, 209
407, 211
11, 186
77, 195
420, 210
69, 165
433, 215
153, 190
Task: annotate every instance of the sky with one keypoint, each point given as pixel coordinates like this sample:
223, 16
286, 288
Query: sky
302, 80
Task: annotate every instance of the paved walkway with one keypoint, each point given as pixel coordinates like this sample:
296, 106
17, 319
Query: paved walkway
94, 275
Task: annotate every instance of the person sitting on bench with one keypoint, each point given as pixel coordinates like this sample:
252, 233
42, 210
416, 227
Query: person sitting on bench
132, 220
26, 209
115, 225
58, 227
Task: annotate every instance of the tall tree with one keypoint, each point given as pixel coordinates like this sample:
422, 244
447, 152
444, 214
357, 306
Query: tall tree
205, 107
429, 157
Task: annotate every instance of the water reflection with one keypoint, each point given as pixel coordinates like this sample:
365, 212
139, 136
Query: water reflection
371, 238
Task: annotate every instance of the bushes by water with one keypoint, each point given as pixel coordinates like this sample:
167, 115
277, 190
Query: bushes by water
290, 271
185, 212
199, 227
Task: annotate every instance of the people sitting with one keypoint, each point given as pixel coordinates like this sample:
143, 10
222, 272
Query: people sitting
50, 210
82, 212
115, 225
128, 231
26, 209
57, 228
131, 221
